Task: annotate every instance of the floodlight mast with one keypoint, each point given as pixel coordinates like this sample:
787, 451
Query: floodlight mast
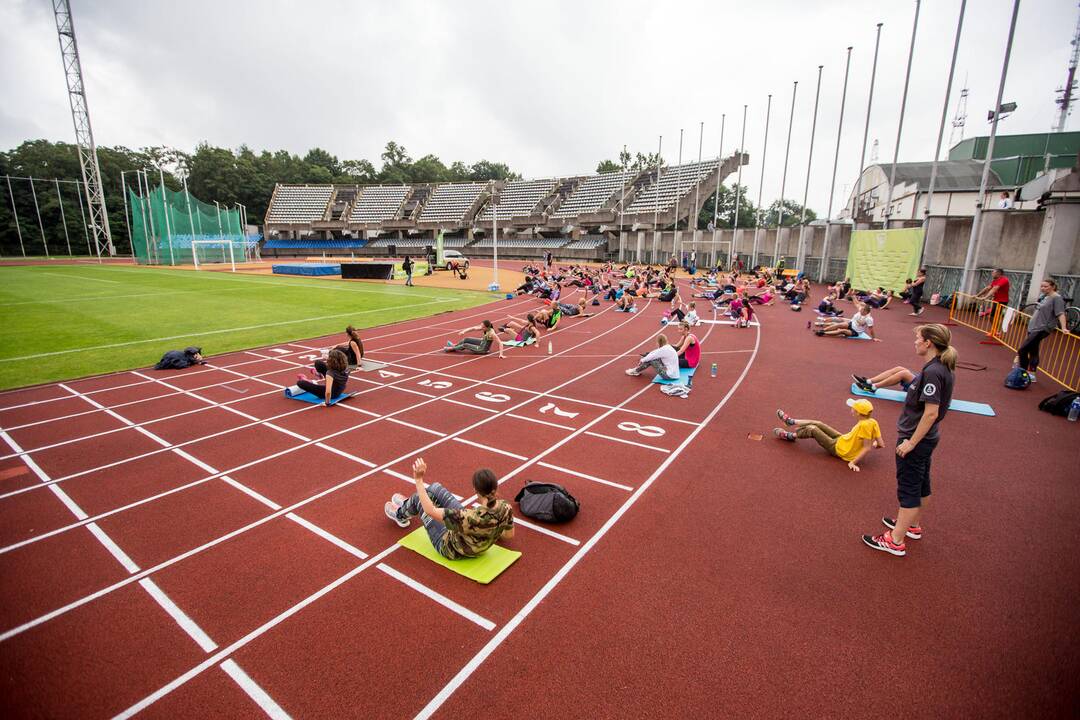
84, 135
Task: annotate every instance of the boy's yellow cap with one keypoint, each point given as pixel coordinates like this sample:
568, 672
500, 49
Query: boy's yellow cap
861, 406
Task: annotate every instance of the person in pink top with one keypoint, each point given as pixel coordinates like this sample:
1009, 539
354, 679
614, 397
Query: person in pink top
688, 347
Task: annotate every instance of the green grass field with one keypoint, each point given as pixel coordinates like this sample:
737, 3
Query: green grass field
65, 321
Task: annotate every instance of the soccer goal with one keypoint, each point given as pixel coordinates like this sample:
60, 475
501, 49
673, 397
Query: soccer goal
207, 252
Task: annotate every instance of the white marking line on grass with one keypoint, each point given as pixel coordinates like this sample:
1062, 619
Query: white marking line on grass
490, 449
182, 619
268, 518
256, 693
333, 539
657, 448
437, 597
478, 659
203, 333
584, 476
80, 277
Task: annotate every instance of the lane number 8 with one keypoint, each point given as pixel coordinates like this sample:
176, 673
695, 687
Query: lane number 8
646, 430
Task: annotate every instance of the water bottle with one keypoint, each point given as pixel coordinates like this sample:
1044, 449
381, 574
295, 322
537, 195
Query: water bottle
1074, 410
549, 347
713, 370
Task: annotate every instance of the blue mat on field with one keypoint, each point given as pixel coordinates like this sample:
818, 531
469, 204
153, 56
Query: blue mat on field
307, 269
684, 377
957, 405
860, 336
313, 399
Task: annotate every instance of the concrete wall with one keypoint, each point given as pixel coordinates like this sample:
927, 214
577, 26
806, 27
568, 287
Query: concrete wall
1007, 239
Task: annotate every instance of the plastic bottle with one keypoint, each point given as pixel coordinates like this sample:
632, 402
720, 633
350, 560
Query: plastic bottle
1074, 410
713, 370
549, 347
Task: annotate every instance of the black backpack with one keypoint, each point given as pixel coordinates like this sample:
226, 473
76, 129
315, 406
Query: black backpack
547, 501
1058, 403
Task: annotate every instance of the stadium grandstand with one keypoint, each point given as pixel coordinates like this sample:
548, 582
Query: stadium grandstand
578, 213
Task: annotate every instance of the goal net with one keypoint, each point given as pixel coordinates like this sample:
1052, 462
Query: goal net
174, 228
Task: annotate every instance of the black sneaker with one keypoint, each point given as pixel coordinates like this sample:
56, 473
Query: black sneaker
914, 532
863, 383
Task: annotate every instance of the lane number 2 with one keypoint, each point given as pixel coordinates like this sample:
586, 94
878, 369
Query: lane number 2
561, 413
646, 430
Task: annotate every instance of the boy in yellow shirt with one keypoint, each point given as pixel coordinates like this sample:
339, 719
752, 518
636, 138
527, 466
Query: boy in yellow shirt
851, 446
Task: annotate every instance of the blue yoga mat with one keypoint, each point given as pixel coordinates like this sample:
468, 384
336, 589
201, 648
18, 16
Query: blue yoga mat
684, 377
860, 336
315, 399
899, 396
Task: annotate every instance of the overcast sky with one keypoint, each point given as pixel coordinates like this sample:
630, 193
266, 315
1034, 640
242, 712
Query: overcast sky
551, 88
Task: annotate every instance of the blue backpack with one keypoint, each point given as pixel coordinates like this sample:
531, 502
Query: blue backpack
1017, 379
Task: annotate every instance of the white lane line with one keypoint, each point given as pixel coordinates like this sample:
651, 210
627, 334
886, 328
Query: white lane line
182, 619
113, 548
70, 504
348, 456
256, 693
584, 476
544, 531
334, 539
194, 460
414, 426
504, 632
437, 597
399, 476
490, 449
657, 448
251, 493
541, 422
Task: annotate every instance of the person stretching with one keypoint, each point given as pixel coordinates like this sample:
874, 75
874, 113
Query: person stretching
354, 348
1049, 316
477, 346
569, 310
898, 375
664, 359
455, 532
851, 446
688, 347
928, 397
522, 332
860, 323
335, 371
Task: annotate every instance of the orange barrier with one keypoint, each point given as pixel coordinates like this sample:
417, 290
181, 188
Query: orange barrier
1059, 353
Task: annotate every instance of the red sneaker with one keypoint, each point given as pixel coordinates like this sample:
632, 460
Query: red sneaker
914, 532
885, 542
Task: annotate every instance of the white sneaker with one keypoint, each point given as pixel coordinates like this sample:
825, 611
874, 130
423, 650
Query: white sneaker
633, 371
398, 499
391, 512
1031, 377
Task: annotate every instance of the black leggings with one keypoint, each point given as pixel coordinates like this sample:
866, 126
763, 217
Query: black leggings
476, 346
319, 389
916, 297
1029, 350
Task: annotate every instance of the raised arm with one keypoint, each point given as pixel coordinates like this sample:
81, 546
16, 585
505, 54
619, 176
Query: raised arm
419, 469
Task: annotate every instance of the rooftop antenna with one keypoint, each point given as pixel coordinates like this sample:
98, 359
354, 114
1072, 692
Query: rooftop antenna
960, 118
1066, 92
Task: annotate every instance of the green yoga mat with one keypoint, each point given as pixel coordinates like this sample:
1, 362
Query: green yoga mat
481, 569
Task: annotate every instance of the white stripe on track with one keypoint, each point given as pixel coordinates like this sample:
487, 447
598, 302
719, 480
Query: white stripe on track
256, 693
182, 619
437, 597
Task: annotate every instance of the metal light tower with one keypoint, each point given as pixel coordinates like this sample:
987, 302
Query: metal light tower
84, 136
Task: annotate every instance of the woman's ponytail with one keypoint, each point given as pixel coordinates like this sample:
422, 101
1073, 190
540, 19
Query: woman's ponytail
940, 337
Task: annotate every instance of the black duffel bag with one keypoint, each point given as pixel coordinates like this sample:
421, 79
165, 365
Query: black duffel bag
547, 502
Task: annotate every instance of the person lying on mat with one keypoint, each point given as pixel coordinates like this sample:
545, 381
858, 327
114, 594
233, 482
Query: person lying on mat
878, 299
893, 376
455, 531
860, 323
688, 347
664, 359
477, 346
571, 310
851, 446
523, 331
335, 374
625, 303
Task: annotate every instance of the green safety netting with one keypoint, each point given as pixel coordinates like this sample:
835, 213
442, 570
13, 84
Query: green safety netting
175, 228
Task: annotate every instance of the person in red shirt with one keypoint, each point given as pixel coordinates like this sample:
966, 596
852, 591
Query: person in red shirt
997, 290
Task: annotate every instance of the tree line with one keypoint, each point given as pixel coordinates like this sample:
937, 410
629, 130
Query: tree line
246, 177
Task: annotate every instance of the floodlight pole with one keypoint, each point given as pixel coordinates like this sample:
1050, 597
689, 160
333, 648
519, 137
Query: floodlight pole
716, 199
191, 222
148, 218
976, 221
738, 188
165, 211
675, 250
783, 177
63, 218
866, 128
944, 114
494, 237
900, 125
836, 160
801, 256
761, 182
697, 189
656, 204
15, 212
622, 202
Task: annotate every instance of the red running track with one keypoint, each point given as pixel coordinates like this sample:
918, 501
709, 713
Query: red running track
191, 543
